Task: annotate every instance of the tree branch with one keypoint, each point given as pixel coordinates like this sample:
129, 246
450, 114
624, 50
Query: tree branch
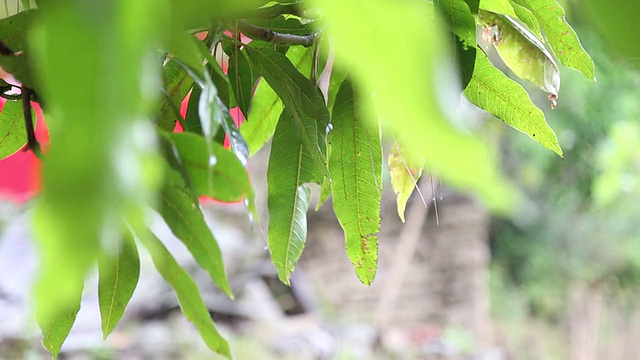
276, 37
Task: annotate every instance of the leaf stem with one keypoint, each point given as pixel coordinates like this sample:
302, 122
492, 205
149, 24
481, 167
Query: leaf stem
276, 37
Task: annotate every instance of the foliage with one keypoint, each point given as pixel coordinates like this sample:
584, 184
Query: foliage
112, 98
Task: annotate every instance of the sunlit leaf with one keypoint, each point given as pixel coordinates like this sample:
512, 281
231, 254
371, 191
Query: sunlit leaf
411, 73
355, 166
561, 36
300, 96
181, 212
290, 167
13, 136
505, 99
187, 292
405, 172
527, 17
325, 192
119, 272
499, 7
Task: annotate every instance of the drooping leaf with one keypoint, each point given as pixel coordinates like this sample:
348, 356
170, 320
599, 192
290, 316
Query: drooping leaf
266, 107
505, 99
355, 166
187, 292
522, 52
181, 212
405, 171
13, 136
561, 36
240, 75
290, 167
299, 95
56, 328
416, 52
226, 180
98, 165
119, 272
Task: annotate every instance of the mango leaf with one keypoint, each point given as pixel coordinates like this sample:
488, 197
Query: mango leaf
474, 5
266, 107
405, 171
176, 87
356, 172
505, 99
527, 17
181, 212
240, 75
191, 122
187, 292
325, 192
418, 84
290, 166
227, 180
299, 95
561, 36
13, 32
503, 7
118, 276
283, 24
13, 135
56, 328
462, 25
522, 52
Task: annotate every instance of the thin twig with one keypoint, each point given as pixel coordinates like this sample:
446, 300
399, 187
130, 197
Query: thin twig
276, 37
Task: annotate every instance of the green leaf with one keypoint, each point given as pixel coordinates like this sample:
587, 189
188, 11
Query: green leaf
527, 17
503, 7
240, 75
325, 192
56, 327
14, 31
265, 110
299, 95
177, 86
266, 107
405, 172
13, 135
181, 212
290, 166
561, 36
119, 270
100, 165
407, 100
505, 99
283, 24
191, 122
356, 173
187, 292
226, 180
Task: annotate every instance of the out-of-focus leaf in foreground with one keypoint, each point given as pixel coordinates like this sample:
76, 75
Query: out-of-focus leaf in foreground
410, 77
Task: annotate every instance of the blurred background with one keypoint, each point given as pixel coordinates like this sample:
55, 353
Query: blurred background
558, 278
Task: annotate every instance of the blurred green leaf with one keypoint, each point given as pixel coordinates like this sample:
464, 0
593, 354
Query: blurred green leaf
14, 31
181, 211
505, 99
355, 166
308, 111
283, 24
13, 135
226, 180
561, 36
100, 165
188, 294
407, 96
290, 167
119, 272
405, 173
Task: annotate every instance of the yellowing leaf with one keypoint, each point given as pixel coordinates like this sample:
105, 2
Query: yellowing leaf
404, 176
